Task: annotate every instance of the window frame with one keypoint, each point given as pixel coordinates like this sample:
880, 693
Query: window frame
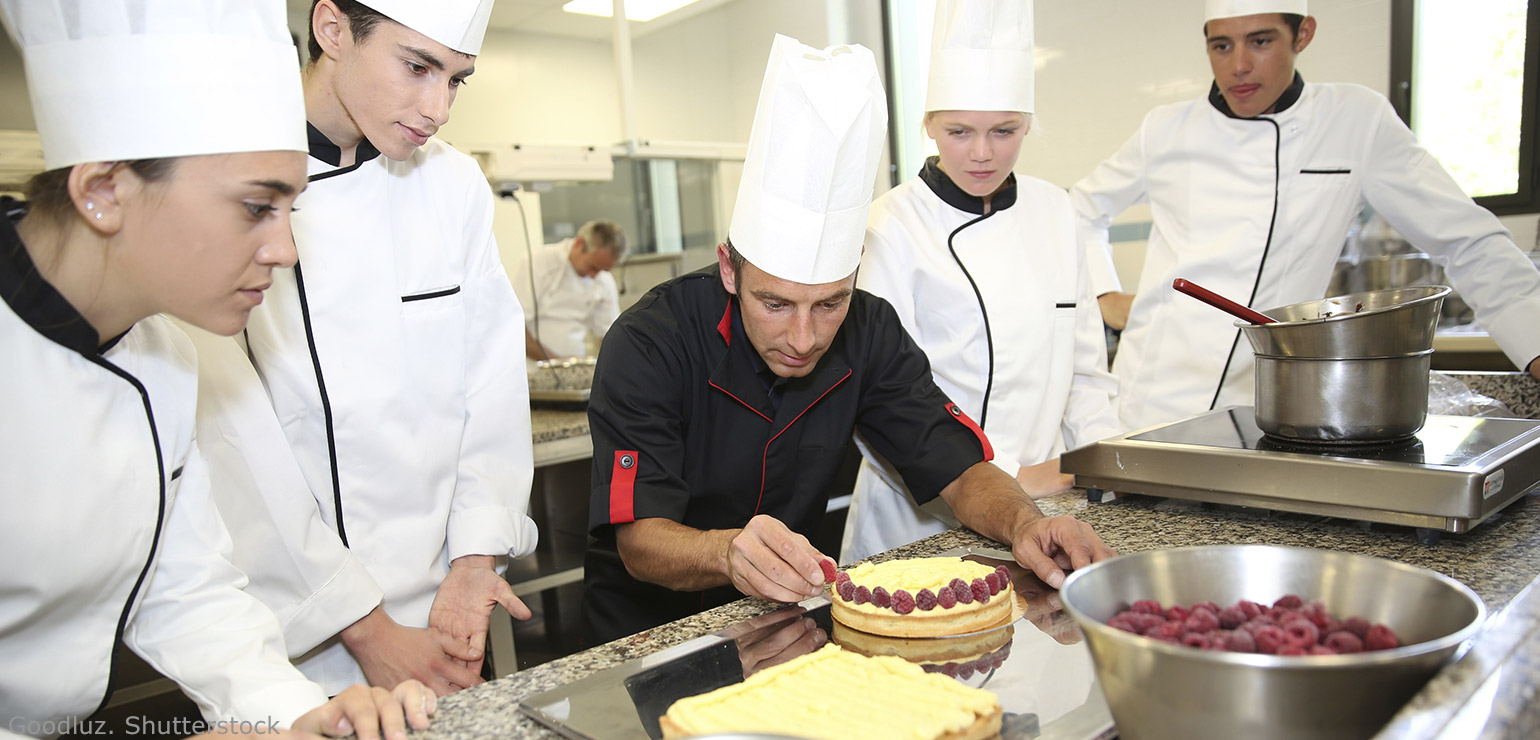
1403, 14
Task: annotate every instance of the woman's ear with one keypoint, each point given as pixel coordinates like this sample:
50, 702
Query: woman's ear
96, 190
330, 28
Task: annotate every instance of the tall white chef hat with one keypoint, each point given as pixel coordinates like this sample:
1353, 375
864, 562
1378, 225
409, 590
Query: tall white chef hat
981, 56
114, 80
1234, 8
457, 24
812, 162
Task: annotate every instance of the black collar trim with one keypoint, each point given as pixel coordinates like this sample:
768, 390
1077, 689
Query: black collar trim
323, 149
1289, 97
33, 299
954, 196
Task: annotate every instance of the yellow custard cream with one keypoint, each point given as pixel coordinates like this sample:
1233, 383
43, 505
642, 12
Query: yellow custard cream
912, 575
838, 695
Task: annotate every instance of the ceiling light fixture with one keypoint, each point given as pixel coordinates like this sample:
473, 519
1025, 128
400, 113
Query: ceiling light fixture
636, 10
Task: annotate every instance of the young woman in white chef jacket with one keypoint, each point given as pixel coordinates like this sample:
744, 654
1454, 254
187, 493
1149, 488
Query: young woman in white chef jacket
985, 271
155, 201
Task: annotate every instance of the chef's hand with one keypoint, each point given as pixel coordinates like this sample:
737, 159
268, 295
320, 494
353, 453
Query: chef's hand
462, 607
1115, 307
390, 653
768, 560
1044, 479
1048, 546
1534, 368
371, 712
781, 638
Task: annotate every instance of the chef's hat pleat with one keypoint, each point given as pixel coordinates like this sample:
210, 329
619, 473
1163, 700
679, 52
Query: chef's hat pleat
1233, 8
115, 80
457, 24
812, 162
981, 56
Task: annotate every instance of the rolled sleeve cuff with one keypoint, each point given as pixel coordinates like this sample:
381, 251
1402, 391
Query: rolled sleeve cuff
1517, 332
347, 597
491, 530
1007, 464
281, 703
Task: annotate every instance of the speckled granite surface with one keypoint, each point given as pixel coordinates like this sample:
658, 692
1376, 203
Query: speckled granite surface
549, 425
1487, 693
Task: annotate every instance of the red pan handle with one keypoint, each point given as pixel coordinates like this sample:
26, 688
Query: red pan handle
1220, 302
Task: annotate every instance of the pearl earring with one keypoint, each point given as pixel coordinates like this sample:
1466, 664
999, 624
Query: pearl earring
90, 206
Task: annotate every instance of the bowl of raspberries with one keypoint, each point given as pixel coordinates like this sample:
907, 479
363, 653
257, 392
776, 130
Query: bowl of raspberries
1264, 641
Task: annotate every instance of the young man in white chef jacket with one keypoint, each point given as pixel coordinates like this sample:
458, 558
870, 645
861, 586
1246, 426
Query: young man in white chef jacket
569, 291
1252, 189
373, 512
985, 271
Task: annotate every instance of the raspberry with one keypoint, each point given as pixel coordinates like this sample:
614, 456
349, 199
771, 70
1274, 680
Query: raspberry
1151, 631
1231, 617
1005, 575
997, 659
931, 668
1260, 621
1123, 623
1321, 650
1269, 639
1193, 639
1356, 625
1301, 632
1148, 606
1201, 620
1169, 631
1315, 611
957, 583
841, 577
903, 603
950, 669
1147, 621
981, 591
993, 582
946, 598
863, 595
828, 570
1177, 613
1240, 641
1209, 605
1380, 637
880, 598
1292, 650
1344, 642
1251, 608
961, 590
926, 601
1289, 601
965, 672
847, 591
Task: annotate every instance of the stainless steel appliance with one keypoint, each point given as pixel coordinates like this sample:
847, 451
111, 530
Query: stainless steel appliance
1451, 476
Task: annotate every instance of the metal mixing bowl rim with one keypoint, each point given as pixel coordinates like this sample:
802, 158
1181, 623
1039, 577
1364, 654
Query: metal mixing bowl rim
1442, 292
1288, 662
1313, 358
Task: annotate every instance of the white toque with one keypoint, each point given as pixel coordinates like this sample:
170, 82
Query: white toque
981, 56
1234, 8
457, 24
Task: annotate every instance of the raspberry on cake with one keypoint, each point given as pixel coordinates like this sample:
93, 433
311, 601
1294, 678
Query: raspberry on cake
941, 596
841, 695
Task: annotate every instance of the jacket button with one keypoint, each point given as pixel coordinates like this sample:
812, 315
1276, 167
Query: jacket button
955, 411
626, 461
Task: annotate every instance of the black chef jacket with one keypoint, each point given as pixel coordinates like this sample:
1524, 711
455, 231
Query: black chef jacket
683, 428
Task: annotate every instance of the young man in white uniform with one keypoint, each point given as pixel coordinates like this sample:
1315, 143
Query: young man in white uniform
390, 354
109, 532
985, 272
1252, 189
567, 291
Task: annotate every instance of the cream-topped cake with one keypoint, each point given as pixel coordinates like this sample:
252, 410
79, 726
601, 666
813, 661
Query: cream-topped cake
922, 597
836, 694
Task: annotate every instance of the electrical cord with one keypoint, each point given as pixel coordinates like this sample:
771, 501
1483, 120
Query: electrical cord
534, 291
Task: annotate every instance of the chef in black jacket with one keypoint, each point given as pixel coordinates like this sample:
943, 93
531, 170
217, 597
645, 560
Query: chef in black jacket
723, 400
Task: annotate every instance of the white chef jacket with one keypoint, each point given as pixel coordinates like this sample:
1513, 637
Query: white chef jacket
109, 529
569, 304
392, 356
1040, 355
1226, 191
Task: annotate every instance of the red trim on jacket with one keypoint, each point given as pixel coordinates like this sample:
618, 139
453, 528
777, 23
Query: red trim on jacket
725, 326
739, 400
765, 458
989, 450
622, 487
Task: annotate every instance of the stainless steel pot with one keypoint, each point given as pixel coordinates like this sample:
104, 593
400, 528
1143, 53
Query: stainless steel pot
1158, 691
1377, 323
1310, 399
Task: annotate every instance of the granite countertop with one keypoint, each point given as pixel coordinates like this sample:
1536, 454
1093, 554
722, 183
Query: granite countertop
1490, 688
550, 425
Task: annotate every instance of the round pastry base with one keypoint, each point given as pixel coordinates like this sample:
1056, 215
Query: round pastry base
923, 650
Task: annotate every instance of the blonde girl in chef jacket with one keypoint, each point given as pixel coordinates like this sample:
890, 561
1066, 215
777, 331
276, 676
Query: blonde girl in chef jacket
152, 204
985, 271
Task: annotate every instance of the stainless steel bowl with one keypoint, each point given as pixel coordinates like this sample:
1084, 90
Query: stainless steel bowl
1377, 323
1369, 399
1157, 690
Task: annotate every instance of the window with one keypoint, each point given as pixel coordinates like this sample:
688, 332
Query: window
1464, 78
663, 205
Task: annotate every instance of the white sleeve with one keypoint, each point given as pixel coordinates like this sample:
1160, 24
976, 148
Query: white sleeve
197, 626
608, 308
1115, 184
1414, 193
490, 511
297, 564
1089, 414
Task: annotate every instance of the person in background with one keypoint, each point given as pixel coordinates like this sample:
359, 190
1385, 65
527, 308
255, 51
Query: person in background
376, 412
567, 291
723, 401
1252, 189
109, 532
986, 273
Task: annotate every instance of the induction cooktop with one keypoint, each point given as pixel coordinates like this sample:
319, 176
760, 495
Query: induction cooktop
1037, 665
1454, 474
